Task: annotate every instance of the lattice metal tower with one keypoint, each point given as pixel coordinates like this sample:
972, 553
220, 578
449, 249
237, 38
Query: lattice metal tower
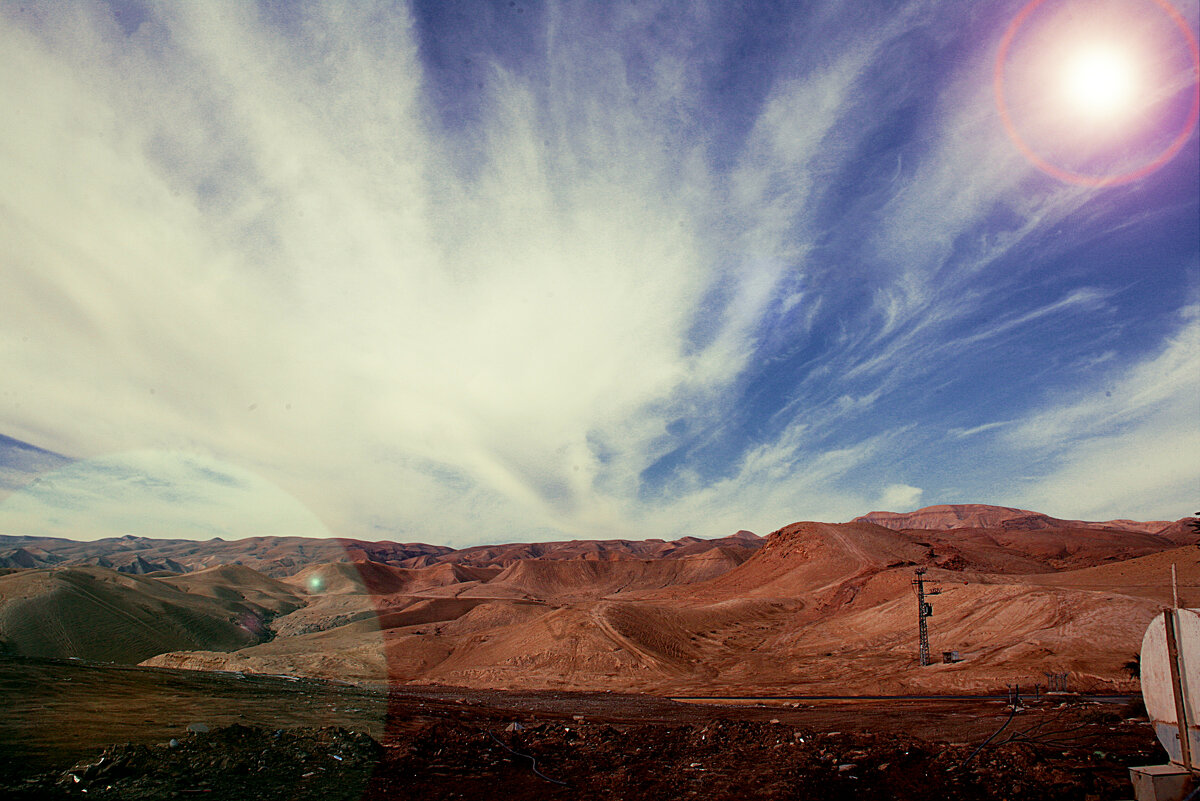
924, 610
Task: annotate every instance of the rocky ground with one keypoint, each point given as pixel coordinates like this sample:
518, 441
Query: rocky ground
186, 735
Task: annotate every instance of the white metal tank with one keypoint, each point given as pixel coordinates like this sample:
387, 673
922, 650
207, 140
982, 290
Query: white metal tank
1158, 686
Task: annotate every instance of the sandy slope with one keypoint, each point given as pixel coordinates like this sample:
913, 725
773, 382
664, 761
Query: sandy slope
818, 608
98, 614
586, 578
237, 584
974, 515
1146, 577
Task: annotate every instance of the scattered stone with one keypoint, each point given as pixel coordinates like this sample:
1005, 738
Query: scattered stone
198, 728
225, 763
445, 758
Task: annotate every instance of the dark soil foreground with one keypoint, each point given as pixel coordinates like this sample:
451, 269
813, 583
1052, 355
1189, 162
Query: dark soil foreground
276, 738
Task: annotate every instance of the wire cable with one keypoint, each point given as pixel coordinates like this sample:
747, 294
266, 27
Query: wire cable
526, 756
1003, 726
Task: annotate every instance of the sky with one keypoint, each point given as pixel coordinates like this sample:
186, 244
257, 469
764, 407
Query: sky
466, 272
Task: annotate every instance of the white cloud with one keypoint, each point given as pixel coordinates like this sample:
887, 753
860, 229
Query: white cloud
979, 429
1129, 446
272, 260
792, 478
900, 498
264, 250
155, 494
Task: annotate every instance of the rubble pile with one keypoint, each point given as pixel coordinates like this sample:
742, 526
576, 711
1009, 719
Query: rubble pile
730, 760
234, 762
577, 757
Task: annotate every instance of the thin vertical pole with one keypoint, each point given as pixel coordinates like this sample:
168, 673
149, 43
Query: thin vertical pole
1174, 589
1181, 720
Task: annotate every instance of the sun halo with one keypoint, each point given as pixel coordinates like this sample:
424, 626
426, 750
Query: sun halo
1089, 115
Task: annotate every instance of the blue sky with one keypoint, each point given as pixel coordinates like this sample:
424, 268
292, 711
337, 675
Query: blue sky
465, 272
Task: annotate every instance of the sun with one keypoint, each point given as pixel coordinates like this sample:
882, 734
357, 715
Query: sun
1098, 93
1100, 81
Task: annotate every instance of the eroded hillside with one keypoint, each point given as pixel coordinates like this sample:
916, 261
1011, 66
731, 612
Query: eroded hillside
816, 607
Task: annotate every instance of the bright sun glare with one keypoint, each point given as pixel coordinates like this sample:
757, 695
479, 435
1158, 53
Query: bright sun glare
1100, 81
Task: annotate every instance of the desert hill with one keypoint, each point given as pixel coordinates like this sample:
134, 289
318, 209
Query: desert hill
1146, 577
1181, 532
274, 556
739, 545
953, 516
96, 613
815, 607
806, 559
286, 556
1038, 550
236, 584
372, 578
540, 579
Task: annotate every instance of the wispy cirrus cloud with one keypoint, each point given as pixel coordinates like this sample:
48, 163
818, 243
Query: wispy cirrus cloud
459, 273
156, 494
1125, 445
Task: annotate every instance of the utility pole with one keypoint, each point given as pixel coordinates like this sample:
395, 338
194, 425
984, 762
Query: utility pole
924, 610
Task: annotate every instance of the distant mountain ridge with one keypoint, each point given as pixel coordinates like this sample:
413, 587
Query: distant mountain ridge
286, 556
1028, 595
943, 517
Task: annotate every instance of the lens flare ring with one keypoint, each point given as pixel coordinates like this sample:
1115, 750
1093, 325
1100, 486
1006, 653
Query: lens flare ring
1078, 178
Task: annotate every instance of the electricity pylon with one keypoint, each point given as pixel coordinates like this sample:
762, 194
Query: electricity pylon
924, 610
